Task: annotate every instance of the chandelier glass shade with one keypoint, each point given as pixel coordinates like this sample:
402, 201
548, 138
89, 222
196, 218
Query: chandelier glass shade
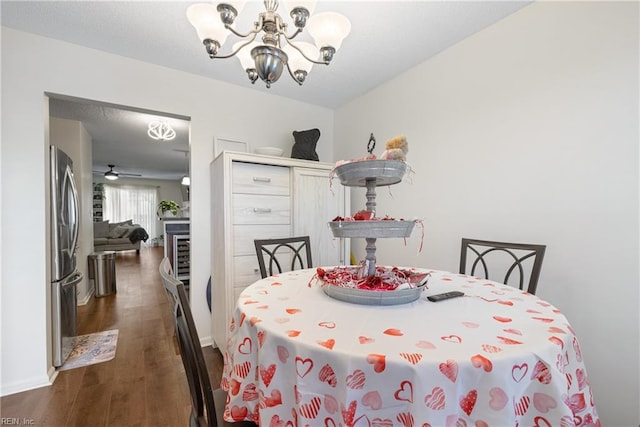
161, 131
267, 56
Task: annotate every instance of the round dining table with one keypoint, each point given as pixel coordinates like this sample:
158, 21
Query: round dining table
496, 356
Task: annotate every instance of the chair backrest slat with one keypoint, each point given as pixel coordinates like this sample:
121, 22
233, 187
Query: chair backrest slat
475, 253
276, 250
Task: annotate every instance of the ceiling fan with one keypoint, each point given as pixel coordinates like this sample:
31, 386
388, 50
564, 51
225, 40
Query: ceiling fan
113, 175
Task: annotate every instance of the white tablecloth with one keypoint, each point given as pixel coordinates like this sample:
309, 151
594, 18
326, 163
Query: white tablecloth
495, 357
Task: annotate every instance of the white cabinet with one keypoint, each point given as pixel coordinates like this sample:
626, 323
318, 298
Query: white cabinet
261, 197
315, 203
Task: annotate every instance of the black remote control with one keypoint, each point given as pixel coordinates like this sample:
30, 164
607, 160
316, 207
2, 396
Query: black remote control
446, 295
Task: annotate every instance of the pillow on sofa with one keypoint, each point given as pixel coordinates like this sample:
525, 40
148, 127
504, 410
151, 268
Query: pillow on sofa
118, 232
116, 224
128, 229
101, 229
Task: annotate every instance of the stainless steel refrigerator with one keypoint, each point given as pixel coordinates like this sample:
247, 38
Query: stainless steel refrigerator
64, 239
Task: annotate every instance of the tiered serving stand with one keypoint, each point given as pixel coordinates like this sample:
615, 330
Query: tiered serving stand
372, 174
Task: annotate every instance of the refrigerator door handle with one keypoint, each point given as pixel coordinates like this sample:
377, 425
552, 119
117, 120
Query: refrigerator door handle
72, 280
74, 193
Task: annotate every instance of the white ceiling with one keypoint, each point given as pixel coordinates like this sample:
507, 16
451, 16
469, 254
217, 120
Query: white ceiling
120, 138
387, 38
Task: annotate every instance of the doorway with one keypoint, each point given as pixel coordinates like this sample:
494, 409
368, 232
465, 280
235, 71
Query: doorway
116, 140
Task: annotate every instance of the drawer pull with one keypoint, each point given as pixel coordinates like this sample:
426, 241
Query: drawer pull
261, 179
262, 210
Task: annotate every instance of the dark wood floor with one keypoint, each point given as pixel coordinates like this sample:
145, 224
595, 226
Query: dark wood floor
144, 385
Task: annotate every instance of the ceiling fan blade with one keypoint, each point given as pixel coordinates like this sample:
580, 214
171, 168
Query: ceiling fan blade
116, 173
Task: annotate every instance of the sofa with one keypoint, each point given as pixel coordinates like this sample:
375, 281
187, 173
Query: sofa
118, 236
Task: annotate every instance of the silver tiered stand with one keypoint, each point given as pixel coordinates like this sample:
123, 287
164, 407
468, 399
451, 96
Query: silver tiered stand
372, 174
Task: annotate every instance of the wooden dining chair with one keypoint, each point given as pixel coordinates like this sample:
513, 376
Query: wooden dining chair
524, 259
286, 254
207, 405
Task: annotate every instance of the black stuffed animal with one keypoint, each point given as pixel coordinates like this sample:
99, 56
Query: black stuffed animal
305, 144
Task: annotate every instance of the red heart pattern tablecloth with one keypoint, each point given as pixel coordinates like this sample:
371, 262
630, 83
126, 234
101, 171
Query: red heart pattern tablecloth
494, 357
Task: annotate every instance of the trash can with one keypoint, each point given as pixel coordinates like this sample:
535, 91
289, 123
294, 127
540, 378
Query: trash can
102, 270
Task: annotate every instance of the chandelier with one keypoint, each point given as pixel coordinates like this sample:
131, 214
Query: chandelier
161, 131
268, 59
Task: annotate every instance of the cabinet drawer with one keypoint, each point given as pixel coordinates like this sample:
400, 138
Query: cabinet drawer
245, 270
261, 209
244, 235
251, 178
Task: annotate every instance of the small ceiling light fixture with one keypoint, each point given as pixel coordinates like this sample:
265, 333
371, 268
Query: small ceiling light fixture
268, 59
186, 179
111, 175
161, 131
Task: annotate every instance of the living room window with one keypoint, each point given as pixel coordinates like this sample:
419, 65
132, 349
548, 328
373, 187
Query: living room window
139, 203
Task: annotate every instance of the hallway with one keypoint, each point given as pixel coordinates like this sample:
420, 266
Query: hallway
144, 385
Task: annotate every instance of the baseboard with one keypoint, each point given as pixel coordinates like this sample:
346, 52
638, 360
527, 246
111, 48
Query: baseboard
86, 299
53, 373
29, 385
207, 341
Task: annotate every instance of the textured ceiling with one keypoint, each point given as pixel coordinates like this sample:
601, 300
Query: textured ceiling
120, 138
387, 38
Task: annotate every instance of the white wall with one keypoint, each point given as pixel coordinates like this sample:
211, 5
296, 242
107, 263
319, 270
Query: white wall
33, 65
528, 131
72, 137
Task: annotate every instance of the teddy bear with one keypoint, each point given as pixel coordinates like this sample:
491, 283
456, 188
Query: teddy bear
396, 149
